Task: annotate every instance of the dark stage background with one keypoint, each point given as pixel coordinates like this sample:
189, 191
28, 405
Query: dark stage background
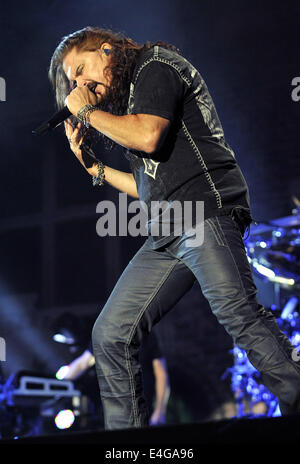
52, 262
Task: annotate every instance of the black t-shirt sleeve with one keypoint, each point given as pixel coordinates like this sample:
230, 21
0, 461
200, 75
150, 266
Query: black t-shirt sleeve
158, 91
150, 349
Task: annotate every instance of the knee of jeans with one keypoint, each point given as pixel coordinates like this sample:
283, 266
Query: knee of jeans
102, 336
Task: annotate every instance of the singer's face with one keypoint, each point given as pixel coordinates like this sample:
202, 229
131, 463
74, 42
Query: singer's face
87, 68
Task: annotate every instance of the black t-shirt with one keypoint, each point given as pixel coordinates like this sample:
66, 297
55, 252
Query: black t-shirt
195, 163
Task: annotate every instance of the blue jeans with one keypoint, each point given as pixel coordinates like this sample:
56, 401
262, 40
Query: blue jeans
152, 283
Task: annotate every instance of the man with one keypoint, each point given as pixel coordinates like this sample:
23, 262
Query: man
153, 102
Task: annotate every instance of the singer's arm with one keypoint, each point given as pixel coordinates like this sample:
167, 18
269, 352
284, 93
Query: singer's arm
123, 181
142, 132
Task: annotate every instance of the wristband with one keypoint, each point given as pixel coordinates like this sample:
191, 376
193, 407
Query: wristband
83, 114
99, 179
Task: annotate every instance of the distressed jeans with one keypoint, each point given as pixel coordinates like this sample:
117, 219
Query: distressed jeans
152, 283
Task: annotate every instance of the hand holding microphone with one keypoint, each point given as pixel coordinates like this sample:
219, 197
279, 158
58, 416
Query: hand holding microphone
78, 98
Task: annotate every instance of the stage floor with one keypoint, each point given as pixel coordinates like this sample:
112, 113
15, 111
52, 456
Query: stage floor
277, 430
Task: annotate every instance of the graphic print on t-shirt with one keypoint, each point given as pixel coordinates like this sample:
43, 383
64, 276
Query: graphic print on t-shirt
150, 167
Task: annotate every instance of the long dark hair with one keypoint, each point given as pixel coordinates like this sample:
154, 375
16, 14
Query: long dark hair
124, 55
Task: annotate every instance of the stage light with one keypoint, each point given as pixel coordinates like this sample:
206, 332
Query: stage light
64, 336
64, 419
59, 338
16, 312
67, 329
263, 270
283, 280
62, 372
266, 272
289, 308
263, 244
295, 339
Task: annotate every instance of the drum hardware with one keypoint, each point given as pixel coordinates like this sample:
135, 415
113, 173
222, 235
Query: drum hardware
273, 251
27, 401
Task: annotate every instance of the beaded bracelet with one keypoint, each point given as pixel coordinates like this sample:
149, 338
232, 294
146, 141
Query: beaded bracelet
83, 114
99, 179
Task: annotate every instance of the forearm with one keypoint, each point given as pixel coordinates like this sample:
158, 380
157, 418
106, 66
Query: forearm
141, 132
123, 181
75, 370
162, 395
162, 389
132, 131
79, 365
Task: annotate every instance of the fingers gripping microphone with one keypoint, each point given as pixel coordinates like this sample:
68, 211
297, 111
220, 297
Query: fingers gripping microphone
60, 116
56, 119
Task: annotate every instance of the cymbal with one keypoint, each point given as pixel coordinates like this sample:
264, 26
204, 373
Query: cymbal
288, 221
260, 228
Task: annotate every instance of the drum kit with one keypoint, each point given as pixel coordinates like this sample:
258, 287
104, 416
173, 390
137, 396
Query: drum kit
273, 251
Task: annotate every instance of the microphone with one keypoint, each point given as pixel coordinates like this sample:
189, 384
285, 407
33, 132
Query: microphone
56, 119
